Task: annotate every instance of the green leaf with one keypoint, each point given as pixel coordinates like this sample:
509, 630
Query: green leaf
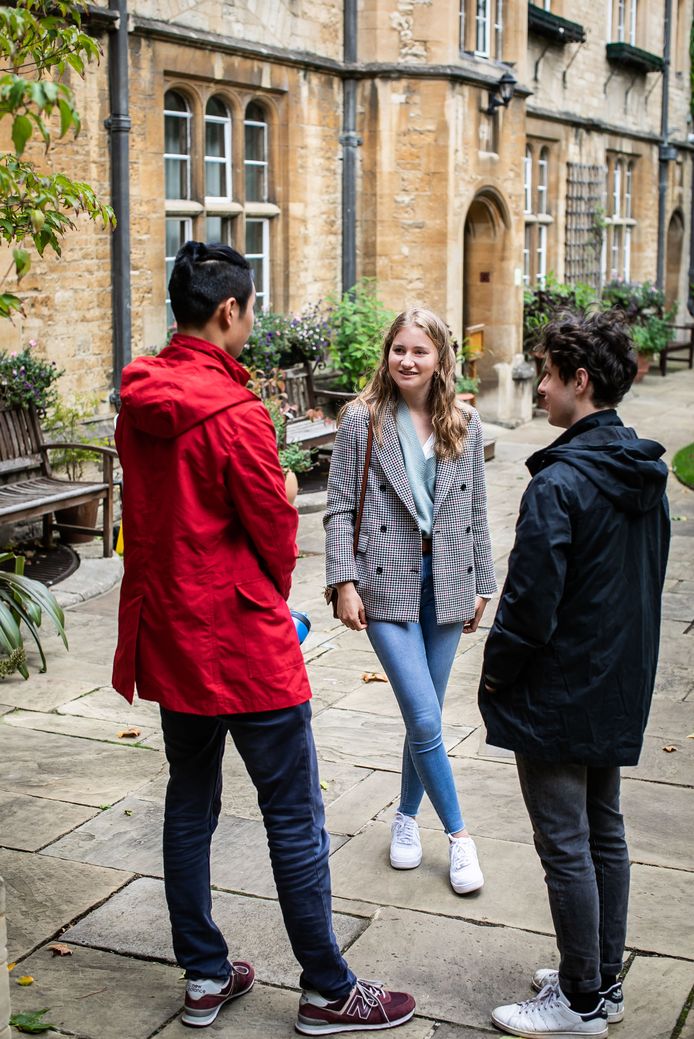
31, 1022
9, 626
22, 262
21, 132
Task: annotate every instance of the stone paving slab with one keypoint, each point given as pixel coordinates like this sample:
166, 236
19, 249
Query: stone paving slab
658, 920
659, 823
457, 970
514, 893
490, 800
29, 823
269, 1013
655, 991
349, 659
449, 1031
350, 812
673, 682
330, 685
657, 765
378, 698
99, 995
64, 680
129, 836
353, 736
66, 768
109, 705
74, 725
136, 922
44, 895
668, 716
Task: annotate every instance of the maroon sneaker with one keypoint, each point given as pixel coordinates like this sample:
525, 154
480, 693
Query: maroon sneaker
368, 1006
205, 998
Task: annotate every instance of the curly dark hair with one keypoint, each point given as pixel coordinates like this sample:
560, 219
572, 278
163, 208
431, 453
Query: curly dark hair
598, 341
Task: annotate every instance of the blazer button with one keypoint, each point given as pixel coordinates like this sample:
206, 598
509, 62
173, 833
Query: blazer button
379, 569
463, 486
467, 530
469, 569
382, 487
383, 528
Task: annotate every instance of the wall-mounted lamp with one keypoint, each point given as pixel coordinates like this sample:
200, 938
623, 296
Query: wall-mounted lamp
501, 94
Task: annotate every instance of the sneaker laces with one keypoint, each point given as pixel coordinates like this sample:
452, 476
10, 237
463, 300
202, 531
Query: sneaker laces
372, 992
462, 853
405, 829
546, 999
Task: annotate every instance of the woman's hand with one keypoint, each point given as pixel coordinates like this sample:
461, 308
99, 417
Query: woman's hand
350, 608
473, 624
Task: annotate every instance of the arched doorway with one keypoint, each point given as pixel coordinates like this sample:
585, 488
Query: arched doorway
491, 297
673, 258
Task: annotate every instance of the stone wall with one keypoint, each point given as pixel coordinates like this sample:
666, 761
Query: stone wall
4, 975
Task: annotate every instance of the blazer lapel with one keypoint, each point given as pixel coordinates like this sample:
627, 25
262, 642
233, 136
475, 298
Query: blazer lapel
390, 456
445, 471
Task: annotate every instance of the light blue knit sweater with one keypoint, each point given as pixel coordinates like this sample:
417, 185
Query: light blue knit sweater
421, 471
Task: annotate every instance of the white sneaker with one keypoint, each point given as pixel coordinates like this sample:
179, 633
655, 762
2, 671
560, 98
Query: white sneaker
405, 845
550, 1015
614, 997
465, 872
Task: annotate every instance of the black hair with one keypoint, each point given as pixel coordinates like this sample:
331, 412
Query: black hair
599, 342
204, 276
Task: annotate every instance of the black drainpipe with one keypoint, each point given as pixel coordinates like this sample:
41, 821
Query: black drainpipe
350, 141
666, 152
118, 124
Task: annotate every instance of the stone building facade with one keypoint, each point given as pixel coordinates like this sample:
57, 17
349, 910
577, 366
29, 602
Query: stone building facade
237, 116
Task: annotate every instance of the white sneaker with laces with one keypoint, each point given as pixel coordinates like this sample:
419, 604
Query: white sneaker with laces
465, 872
405, 845
550, 1015
614, 997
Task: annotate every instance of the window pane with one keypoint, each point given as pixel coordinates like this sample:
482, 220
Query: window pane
483, 20
626, 270
632, 23
541, 254
218, 229
215, 139
216, 180
176, 176
176, 135
627, 189
255, 112
255, 143
542, 176
528, 180
256, 184
178, 231
527, 249
499, 29
216, 107
257, 255
174, 102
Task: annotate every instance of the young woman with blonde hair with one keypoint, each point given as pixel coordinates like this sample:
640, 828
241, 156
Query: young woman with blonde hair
423, 571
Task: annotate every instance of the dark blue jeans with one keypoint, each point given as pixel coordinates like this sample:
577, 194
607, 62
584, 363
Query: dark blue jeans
278, 751
579, 836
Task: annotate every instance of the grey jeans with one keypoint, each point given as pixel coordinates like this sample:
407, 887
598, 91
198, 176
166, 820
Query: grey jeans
579, 836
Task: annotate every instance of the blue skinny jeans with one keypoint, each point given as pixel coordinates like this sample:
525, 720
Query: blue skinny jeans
417, 658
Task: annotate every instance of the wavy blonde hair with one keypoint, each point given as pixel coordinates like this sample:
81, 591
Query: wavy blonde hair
381, 395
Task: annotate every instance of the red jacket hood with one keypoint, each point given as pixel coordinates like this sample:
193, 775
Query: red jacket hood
189, 381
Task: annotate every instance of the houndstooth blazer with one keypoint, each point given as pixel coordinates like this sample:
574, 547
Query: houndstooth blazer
388, 563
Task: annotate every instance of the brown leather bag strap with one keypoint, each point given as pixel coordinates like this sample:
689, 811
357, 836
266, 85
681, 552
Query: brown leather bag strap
362, 492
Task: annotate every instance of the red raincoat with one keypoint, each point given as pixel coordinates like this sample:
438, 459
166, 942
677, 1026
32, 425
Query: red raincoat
210, 546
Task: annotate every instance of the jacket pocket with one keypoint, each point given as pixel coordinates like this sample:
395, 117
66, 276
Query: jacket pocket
363, 542
269, 636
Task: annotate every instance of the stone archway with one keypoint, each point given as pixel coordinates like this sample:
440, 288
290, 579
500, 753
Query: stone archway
490, 293
673, 258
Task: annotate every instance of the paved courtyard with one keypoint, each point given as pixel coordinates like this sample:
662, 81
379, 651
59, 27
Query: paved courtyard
81, 810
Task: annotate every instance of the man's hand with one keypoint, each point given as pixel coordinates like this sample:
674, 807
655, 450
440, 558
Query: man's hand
350, 608
490, 686
480, 605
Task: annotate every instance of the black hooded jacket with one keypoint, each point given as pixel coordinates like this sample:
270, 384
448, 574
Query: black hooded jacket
574, 645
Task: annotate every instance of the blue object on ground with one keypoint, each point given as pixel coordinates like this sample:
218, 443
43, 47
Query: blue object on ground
302, 624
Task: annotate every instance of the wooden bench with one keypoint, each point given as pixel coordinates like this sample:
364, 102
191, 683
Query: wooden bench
28, 488
304, 397
677, 346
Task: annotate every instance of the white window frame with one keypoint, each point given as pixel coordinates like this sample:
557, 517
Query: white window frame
541, 254
632, 22
628, 181
543, 182
527, 246
170, 113
216, 160
498, 28
483, 28
264, 163
262, 298
187, 236
528, 180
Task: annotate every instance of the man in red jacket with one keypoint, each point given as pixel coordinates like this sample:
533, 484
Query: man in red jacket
205, 631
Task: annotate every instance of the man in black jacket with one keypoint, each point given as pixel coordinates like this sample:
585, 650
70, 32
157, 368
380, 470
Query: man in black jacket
570, 662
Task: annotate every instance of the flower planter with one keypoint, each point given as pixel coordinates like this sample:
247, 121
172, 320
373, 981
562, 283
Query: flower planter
77, 516
644, 363
292, 485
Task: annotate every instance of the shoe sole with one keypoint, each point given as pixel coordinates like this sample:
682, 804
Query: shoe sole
203, 1022
409, 865
525, 1034
328, 1029
613, 1017
467, 889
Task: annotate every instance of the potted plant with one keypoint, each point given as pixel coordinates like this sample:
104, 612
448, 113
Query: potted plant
28, 380
23, 601
644, 309
294, 459
65, 422
466, 387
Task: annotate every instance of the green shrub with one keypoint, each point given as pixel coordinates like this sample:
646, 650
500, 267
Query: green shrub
26, 379
542, 303
358, 321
